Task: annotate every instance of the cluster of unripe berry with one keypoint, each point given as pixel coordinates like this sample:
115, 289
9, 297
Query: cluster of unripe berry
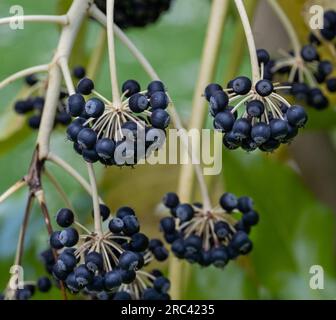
209, 236
254, 115
118, 133
136, 13
109, 265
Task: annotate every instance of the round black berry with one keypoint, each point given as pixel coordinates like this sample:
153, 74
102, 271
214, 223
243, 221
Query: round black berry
296, 116
255, 108
260, 132
228, 201
87, 138
159, 100
264, 87
138, 103
224, 121
241, 85
211, 89
184, 212
160, 119
94, 107
130, 87
69, 237
65, 218
171, 200
85, 86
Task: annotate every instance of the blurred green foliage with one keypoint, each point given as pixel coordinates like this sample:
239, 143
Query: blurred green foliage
295, 232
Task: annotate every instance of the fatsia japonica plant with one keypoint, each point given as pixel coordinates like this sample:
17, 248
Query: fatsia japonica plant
112, 257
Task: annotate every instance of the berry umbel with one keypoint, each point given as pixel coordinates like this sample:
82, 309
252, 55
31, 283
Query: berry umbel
256, 115
109, 265
118, 134
209, 237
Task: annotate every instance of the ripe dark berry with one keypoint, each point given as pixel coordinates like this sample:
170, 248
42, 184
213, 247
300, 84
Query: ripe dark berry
116, 225
219, 257
22, 106
131, 225
228, 201
58, 273
211, 89
55, 240
44, 284
222, 230
325, 67
160, 253
218, 102
125, 211
34, 121
155, 86
23, 294
167, 225
90, 156
94, 107
105, 148
65, 218
31, 79
250, 218
309, 53
74, 128
178, 248
151, 294
87, 138
184, 212
263, 56
224, 121
85, 86
78, 72
245, 204
159, 100
127, 276
71, 283
317, 99
139, 242
104, 211
300, 90
138, 103
66, 261
296, 116
161, 284
241, 242
153, 243
241, 128
241, 85
171, 200
193, 243
97, 284
94, 261
231, 140
128, 260
69, 237
255, 108
260, 132
331, 84
63, 118
112, 279
270, 145
279, 129
160, 119
264, 87
130, 87
83, 275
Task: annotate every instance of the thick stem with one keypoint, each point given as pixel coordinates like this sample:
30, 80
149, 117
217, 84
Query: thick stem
207, 69
15, 187
63, 20
23, 229
23, 73
287, 25
76, 14
95, 200
111, 50
63, 63
250, 40
72, 171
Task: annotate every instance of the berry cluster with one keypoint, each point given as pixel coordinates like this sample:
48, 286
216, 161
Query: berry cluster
109, 265
304, 72
267, 118
33, 103
136, 13
118, 133
209, 236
